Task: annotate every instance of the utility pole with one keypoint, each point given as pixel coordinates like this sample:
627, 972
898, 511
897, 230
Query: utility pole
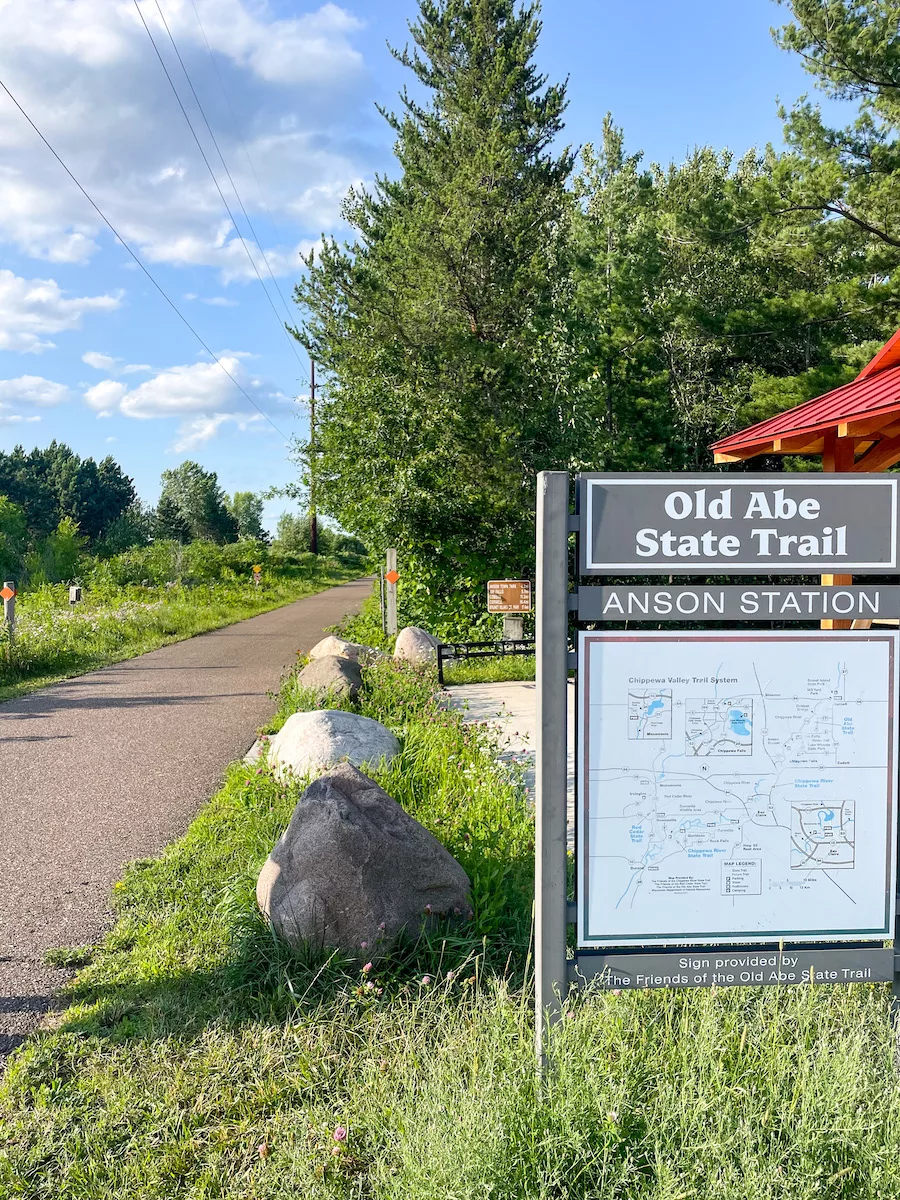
313, 517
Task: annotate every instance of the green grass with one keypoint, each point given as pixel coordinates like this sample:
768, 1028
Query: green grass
55, 640
489, 670
201, 1058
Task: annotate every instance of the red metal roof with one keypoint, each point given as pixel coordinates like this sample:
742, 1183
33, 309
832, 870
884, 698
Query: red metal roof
873, 393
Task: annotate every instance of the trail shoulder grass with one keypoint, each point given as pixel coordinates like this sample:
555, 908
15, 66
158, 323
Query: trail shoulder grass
202, 1058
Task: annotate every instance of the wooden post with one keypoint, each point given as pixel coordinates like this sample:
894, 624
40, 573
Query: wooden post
837, 455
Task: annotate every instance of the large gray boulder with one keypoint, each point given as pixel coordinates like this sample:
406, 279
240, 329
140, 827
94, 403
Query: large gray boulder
416, 645
352, 870
341, 648
315, 741
331, 676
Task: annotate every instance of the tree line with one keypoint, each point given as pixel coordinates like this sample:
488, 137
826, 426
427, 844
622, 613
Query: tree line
506, 306
55, 506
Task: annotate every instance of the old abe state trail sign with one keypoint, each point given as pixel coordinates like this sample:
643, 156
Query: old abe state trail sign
736, 789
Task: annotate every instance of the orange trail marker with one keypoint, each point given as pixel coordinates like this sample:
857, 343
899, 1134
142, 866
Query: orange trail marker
392, 576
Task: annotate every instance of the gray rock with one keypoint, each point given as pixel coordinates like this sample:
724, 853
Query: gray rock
416, 645
353, 870
315, 741
355, 651
331, 676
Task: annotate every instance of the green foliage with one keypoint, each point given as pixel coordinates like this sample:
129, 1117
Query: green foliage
54, 483
144, 598
194, 506
202, 1057
436, 323
58, 557
246, 508
13, 539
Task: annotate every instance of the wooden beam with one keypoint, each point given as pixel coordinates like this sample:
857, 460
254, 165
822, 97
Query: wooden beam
887, 424
738, 455
801, 443
837, 453
880, 456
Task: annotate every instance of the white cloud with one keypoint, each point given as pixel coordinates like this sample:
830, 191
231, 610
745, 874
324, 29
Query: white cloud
201, 394
200, 430
16, 419
112, 366
32, 308
32, 389
100, 362
86, 73
221, 301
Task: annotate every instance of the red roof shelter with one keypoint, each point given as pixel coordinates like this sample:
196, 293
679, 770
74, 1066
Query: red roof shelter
855, 428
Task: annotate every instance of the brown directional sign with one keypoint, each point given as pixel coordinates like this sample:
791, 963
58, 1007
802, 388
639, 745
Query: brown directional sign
509, 595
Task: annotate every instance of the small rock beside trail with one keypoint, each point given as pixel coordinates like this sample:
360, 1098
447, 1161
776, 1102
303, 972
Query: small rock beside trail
331, 676
416, 645
353, 870
316, 741
341, 648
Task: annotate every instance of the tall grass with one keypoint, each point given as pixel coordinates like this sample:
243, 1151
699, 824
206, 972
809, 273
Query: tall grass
202, 1058
117, 620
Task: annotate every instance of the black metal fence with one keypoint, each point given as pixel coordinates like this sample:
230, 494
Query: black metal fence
462, 651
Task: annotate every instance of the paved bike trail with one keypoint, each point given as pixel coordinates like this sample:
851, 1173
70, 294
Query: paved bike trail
108, 767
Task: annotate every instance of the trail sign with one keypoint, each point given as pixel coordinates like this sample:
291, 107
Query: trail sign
392, 576
509, 595
7, 591
782, 524
737, 789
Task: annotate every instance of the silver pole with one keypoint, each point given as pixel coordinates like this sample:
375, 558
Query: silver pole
551, 623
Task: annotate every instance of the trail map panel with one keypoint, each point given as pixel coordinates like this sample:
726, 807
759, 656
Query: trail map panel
736, 787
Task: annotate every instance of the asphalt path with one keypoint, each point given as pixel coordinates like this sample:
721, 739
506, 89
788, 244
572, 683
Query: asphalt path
109, 767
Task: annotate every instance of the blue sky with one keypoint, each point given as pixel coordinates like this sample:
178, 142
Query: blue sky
92, 355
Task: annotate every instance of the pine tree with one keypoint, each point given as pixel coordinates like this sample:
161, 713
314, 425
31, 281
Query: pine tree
436, 325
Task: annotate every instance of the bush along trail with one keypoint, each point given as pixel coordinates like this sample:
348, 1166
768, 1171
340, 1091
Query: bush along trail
203, 1057
145, 598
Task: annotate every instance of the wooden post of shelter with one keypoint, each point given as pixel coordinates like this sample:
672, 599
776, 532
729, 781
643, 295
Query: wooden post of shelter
854, 428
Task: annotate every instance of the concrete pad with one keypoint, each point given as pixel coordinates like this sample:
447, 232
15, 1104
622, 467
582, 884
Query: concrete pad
511, 708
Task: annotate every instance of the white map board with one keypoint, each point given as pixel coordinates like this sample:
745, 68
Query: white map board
736, 787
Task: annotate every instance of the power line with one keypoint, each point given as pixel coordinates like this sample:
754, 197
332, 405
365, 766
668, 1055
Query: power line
240, 137
206, 161
168, 299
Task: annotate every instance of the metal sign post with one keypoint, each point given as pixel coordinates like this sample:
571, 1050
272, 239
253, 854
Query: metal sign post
736, 788
550, 768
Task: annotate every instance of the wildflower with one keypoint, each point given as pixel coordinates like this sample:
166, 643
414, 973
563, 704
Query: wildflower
428, 910
340, 1133
259, 770
367, 968
617, 992
370, 986
335, 1150
613, 1116
457, 912
570, 1014
263, 1150
363, 945
381, 926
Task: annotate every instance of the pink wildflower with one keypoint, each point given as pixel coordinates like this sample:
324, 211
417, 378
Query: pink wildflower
367, 968
340, 1133
426, 980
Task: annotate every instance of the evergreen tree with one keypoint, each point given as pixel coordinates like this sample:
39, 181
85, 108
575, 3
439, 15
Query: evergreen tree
437, 324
